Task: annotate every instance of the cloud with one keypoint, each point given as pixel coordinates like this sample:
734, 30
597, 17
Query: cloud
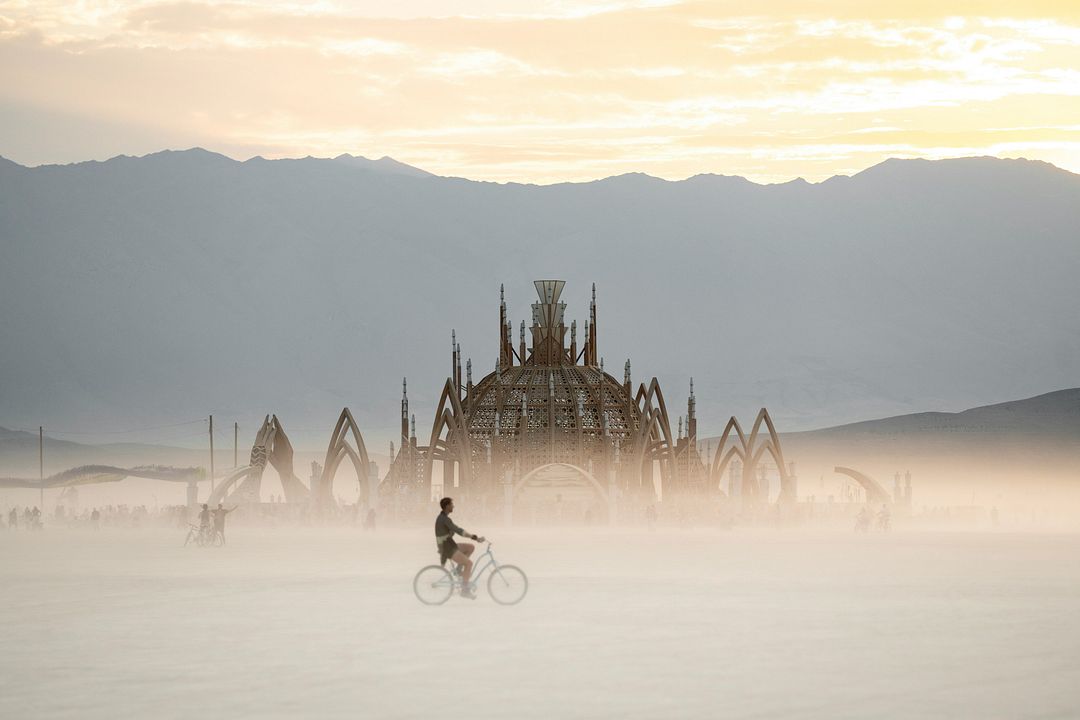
549, 90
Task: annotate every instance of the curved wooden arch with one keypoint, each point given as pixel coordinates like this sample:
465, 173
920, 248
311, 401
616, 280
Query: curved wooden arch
224, 487
338, 449
449, 417
95, 474
750, 450
875, 491
716, 472
655, 441
588, 476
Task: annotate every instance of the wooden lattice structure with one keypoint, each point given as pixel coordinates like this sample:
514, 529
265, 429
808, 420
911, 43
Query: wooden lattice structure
550, 402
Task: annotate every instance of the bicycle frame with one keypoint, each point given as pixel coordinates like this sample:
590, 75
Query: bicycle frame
478, 570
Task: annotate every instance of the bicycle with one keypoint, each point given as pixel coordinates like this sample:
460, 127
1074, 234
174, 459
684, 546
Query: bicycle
203, 536
507, 584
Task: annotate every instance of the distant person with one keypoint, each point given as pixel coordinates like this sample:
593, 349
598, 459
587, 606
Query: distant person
13, 519
862, 520
369, 519
445, 530
650, 516
204, 517
219, 520
883, 518
95, 519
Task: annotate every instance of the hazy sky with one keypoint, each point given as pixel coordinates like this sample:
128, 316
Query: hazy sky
545, 91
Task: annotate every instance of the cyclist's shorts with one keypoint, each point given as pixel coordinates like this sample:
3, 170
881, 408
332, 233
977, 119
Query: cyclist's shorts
449, 547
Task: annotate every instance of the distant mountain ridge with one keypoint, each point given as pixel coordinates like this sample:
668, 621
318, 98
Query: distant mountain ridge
387, 164
1054, 413
184, 283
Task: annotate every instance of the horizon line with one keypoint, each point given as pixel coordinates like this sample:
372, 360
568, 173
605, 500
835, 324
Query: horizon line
391, 160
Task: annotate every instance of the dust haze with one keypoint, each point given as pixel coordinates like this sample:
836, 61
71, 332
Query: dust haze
677, 622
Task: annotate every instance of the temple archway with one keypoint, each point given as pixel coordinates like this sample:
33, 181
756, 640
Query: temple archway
339, 449
562, 490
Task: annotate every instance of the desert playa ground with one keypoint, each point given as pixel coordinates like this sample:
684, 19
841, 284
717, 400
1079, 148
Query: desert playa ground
632, 624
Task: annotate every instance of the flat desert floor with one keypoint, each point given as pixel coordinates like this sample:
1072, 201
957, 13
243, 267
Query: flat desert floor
617, 624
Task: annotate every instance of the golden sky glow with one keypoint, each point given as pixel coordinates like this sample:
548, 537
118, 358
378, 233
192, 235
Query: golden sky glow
546, 91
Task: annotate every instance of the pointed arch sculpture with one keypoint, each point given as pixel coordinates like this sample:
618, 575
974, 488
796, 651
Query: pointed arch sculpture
449, 437
655, 441
339, 449
750, 450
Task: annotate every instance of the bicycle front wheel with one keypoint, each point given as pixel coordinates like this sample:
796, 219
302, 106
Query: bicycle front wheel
507, 585
433, 585
217, 539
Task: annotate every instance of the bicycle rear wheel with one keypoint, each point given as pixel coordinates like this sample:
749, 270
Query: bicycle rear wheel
507, 585
433, 585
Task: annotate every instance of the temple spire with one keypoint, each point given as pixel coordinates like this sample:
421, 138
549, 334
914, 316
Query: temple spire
691, 413
404, 412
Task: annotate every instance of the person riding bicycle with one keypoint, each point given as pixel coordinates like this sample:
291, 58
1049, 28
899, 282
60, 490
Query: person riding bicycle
445, 529
204, 518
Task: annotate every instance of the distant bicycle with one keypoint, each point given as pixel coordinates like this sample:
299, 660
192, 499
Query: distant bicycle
203, 536
507, 584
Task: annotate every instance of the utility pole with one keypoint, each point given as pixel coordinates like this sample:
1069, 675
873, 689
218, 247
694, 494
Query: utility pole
235, 438
41, 465
211, 453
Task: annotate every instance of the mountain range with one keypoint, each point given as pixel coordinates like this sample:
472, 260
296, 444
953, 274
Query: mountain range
179, 284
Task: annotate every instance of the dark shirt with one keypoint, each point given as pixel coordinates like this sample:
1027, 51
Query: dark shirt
219, 517
204, 517
445, 529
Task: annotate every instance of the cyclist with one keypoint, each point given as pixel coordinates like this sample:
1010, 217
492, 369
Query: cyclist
204, 520
445, 529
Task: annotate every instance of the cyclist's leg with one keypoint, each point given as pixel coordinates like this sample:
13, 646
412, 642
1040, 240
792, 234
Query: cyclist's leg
461, 557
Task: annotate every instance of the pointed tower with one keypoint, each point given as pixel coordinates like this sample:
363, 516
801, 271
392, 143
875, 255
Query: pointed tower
548, 328
691, 414
505, 354
404, 413
592, 327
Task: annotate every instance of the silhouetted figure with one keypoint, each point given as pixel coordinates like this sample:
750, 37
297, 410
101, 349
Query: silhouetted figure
862, 520
13, 519
884, 518
95, 519
219, 520
449, 549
